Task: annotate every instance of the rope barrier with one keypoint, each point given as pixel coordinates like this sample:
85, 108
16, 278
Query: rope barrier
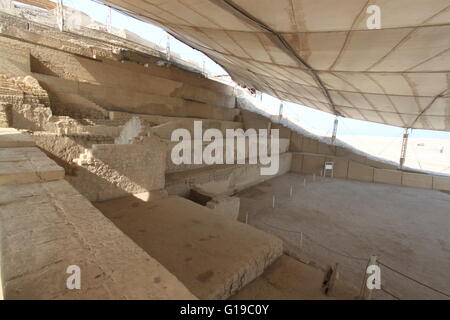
358, 259
414, 280
312, 240
383, 288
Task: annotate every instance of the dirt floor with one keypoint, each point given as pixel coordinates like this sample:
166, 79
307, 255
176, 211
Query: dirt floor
338, 221
289, 279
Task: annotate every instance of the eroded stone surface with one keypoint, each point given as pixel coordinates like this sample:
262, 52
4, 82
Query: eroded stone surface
212, 255
225, 206
12, 138
46, 227
27, 165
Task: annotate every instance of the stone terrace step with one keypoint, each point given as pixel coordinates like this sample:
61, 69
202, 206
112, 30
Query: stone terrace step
127, 100
212, 255
158, 119
47, 227
171, 167
27, 165
12, 138
222, 179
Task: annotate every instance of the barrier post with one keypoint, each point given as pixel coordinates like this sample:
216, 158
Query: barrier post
331, 279
366, 293
301, 240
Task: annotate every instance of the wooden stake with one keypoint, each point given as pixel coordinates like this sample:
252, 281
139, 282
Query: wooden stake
301, 240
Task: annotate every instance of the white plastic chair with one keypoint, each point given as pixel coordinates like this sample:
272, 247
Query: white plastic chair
329, 166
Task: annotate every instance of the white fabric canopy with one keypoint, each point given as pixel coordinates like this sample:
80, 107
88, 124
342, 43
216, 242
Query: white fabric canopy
321, 54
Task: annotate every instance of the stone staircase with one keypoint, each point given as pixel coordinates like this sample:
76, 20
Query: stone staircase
46, 226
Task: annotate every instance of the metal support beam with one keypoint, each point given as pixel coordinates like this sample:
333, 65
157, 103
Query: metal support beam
279, 40
168, 47
280, 112
9, 4
335, 127
404, 147
109, 20
60, 15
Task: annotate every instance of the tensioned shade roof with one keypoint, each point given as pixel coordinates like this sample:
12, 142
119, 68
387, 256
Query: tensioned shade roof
321, 54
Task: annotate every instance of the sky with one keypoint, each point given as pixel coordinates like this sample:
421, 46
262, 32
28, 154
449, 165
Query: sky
309, 118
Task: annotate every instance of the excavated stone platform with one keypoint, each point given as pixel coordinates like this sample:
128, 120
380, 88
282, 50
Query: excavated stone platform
47, 227
12, 138
27, 165
213, 256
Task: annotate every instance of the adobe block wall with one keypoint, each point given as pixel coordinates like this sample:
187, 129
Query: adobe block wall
360, 172
296, 142
386, 176
441, 183
310, 145
323, 148
254, 121
313, 164
297, 162
417, 180
340, 166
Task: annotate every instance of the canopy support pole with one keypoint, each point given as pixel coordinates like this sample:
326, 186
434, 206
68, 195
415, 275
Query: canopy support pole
404, 147
60, 15
335, 127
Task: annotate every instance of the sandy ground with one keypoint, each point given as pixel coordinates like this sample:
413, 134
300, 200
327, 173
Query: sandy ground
345, 222
421, 154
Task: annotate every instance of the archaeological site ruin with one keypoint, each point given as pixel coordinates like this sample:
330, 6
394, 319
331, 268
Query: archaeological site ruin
127, 171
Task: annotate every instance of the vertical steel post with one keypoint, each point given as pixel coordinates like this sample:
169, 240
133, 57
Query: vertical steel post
168, 47
335, 128
404, 148
60, 15
280, 112
109, 20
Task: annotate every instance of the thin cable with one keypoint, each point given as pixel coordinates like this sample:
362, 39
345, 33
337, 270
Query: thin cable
414, 280
389, 293
317, 243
